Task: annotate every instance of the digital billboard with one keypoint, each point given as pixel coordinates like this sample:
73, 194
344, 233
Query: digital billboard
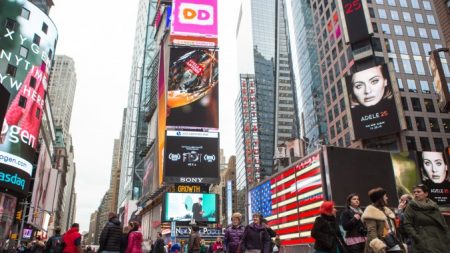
193, 88
26, 52
187, 206
194, 22
372, 103
162, 111
406, 172
149, 165
356, 20
191, 157
434, 174
439, 79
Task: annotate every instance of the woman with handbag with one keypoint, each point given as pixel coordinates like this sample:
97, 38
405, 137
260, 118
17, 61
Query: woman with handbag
255, 238
380, 222
326, 231
355, 237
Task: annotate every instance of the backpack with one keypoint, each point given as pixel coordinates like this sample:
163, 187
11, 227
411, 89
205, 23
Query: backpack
56, 244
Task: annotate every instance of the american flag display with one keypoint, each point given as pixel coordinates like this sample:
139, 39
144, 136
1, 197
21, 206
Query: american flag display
291, 200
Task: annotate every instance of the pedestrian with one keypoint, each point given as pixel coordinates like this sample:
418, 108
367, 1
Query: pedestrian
159, 244
202, 246
424, 223
277, 244
194, 240
255, 238
111, 235
355, 238
72, 239
380, 222
271, 233
176, 248
326, 231
55, 243
124, 239
134, 239
234, 233
400, 213
38, 245
218, 246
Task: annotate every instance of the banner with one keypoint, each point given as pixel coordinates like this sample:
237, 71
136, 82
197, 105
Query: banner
372, 104
406, 173
150, 165
439, 79
434, 172
27, 46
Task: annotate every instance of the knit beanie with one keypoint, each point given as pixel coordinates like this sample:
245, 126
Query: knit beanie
376, 194
327, 207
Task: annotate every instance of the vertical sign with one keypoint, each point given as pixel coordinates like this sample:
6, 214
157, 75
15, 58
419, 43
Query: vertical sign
161, 113
173, 232
229, 200
354, 14
439, 80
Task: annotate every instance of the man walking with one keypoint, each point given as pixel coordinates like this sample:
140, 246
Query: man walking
159, 244
72, 240
111, 235
55, 243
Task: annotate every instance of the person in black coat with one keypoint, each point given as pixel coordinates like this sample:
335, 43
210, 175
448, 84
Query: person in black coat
326, 230
355, 237
255, 236
159, 244
271, 233
111, 235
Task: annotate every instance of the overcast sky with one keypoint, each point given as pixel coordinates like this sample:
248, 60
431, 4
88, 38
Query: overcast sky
99, 36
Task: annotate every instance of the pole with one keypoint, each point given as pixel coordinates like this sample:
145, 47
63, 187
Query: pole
22, 224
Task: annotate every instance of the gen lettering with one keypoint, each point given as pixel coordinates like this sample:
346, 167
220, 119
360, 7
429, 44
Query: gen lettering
15, 134
374, 116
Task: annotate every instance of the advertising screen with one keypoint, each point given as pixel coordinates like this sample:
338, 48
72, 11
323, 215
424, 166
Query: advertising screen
149, 165
162, 111
440, 81
355, 19
194, 22
406, 172
191, 157
434, 174
188, 206
372, 103
193, 88
26, 52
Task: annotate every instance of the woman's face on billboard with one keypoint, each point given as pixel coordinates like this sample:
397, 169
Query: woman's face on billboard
434, 166
368, 86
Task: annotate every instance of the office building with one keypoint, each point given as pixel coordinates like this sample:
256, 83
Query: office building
443, 13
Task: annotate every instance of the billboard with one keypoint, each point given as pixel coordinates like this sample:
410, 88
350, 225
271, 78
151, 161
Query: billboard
162, 110
4, 99
406, 173
193, 88
356, 20
440, 82
149, 165
434, 174
194, 22
191, 157
187, 206
26, 52
372, 103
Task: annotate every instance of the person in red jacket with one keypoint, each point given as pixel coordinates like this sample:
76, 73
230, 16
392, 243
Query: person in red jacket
134, 239
72, 240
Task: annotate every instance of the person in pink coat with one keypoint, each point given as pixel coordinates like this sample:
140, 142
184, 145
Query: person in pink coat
134, 239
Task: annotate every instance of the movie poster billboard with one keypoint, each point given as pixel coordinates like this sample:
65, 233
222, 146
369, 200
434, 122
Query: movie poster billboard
194, 23
434, 174
372, 103
27, 46
191, 157
440, 81
193, 89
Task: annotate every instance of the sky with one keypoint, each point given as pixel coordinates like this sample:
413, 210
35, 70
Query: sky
99, 36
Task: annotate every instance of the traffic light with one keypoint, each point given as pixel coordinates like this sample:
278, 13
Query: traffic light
19, 215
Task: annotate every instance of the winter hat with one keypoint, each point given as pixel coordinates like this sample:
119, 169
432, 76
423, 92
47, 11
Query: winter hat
327, 207
376, 194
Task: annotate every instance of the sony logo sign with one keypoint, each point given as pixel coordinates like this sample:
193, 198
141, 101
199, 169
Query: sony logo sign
191, 179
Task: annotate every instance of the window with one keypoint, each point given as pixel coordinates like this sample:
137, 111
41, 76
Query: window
376, 44
415, 4
395, 63
25, 13
410, 31
423, 33
426, 5
404, 104
429, 105
11, 70
446, 123
407, 66
375, 27
338, 127
419, 18
430, 19
407, 16
425, 87
420, 124
402, 47
408, 123
345, 121
23, 52
379, 1
434, 125
36, 39
435, 34
416, 104
38, 113
403, 3
342, 103
347, 139
332, 133
400, 84
394, 15
411, 143
398, 30
415, 48
385, 28
382, 13
330, 116
411, 85
10, 24
391, 2
438, 144
44, 28
23, 102
419, 67
391, 47
425, 143
426, 48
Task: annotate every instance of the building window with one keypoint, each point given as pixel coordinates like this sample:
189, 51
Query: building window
330, 116
10, 24
411, 85
423, 33
23, 52
36, 39
403, 3
407, 16
11, 70
347, 139
446, 123
415, 102
390, 46
402, 47
419, 18
25, 13
400, 84
408, 123
382, 13
398, 30
345, 122
332, 133
438, 144
404, 104
407, 66
38, 113
415, 48
23, 102
415, 4
375, 27
376, 44
425, 143
410, 31
411, 143
429, 105
426, 5
431, 20
426, 48
391, 2
379, 1
395, 63
394, 15
419, 67
420, 124
385, 28
338, 127
434, 125
435, 34
425, 87
44, 28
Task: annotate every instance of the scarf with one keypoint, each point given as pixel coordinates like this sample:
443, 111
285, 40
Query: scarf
356, 210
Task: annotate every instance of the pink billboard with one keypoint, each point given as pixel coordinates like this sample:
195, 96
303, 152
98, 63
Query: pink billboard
194, 22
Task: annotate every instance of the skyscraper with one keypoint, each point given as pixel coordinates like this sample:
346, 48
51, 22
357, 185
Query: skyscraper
44, 5
443, 13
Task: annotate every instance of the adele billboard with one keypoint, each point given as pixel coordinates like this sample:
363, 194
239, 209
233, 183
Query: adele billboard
372, 104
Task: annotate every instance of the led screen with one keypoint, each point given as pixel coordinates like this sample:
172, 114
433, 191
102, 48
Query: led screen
187, 206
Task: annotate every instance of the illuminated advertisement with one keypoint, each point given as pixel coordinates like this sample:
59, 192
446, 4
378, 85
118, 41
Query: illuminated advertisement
193, 88
26, 51
150, 165
194, 22
372, 103
439, 80
406, 173
191, 157
187, 206
434, 174
162, 107
354, 14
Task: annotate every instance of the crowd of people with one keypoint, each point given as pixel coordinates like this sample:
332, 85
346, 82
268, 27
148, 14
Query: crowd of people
417, 225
